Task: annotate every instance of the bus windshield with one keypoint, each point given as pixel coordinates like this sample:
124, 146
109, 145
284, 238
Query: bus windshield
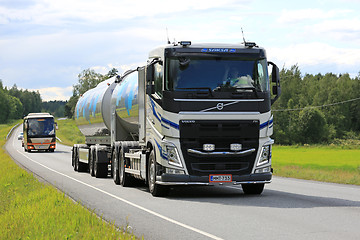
216, 74
41, 127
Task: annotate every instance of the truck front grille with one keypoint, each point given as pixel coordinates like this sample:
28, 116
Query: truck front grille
195, 133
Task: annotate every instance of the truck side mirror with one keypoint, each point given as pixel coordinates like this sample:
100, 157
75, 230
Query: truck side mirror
275, 78
150, 88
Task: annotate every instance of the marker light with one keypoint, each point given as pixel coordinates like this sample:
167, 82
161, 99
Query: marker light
235, 147
185, 43
208, 147
250, 44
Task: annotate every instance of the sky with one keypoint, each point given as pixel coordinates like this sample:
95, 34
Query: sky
45, 44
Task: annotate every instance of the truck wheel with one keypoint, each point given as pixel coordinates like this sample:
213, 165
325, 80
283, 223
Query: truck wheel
100, 169
91, 162
155, 189
125, 178
115, 166
253, 189
75, 158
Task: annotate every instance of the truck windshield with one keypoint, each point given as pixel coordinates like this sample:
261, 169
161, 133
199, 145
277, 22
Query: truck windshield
41, 127
216, 74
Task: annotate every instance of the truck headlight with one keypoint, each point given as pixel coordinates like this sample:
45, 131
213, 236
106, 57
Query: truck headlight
171, 154
265, 155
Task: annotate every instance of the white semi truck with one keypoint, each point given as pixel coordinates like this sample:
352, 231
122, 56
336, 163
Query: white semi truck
196, 114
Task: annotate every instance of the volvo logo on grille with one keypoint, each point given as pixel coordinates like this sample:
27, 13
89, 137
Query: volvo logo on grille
220, 106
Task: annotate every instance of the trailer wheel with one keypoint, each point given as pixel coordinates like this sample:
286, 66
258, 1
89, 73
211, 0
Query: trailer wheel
76, 159
73, 157
91, 161
115, 166
155, 189
125, 178
253, 189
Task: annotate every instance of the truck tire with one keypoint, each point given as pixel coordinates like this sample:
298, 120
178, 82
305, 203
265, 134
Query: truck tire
74, 158
155, 189
91, 161
78, 166
253, 189
81, 167
115, 166
125, 178
100, 169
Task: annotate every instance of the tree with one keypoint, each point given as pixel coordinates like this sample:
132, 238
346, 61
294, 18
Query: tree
70, 106
87, 79
56, 108
312, 126
15, 108
4, 106
113, 72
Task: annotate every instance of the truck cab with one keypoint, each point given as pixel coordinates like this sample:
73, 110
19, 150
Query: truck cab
209, 109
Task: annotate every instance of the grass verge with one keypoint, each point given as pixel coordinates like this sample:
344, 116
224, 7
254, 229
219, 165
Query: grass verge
30, 209
69, 133
336, 164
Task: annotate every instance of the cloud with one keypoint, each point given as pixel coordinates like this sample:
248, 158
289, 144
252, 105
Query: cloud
317, 56
54, 93
300, 15
340, 29
49, 12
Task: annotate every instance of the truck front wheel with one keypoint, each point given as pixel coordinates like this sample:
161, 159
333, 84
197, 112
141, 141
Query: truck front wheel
125, 178
155, 189
253, 189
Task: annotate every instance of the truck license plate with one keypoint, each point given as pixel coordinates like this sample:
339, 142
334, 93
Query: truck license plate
220, 178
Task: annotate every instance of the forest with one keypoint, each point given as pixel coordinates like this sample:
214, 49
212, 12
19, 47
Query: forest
16, 103
316, 108
312, 109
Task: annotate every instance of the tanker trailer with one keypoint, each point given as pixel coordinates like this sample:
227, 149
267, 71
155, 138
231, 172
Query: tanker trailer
94, 118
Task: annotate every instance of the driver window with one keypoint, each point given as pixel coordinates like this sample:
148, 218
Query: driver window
158, 78
262, 81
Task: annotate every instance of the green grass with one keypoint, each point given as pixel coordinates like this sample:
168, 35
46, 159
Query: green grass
30, 209
322, 163
69, 133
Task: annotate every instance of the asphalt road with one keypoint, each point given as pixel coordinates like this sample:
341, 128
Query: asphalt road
287, 209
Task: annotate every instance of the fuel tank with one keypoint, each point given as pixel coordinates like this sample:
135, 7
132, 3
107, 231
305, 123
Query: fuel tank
93, 112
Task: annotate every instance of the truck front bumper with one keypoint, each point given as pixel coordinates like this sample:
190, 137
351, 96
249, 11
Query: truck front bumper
174, 179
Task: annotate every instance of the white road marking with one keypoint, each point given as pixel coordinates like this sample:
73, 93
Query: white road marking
128, 202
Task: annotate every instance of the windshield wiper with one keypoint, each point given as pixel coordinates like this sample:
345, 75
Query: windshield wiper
198, 88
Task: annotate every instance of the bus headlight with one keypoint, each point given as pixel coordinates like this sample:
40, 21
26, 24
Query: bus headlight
265, 155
